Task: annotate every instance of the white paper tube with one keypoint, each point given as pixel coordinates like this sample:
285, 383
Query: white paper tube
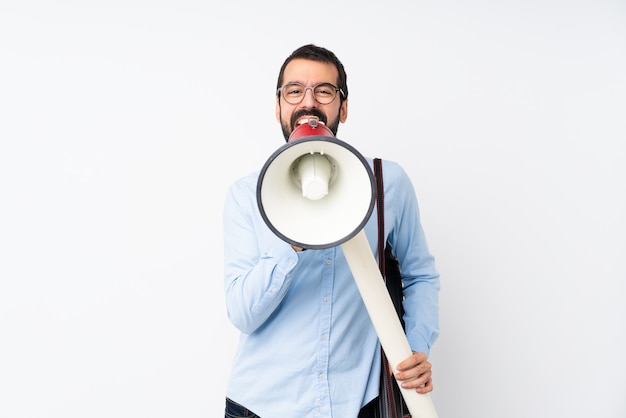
384, 317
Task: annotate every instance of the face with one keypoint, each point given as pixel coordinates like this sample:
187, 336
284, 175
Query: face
310, 73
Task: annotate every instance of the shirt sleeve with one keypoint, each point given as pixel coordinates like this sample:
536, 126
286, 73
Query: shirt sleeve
258, 265
419, 274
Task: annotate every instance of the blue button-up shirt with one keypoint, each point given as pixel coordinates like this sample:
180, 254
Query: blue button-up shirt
307, 346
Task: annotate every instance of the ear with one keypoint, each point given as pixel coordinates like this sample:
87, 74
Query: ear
278, 109
343, 111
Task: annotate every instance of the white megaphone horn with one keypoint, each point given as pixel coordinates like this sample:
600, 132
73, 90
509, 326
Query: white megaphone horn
317, 192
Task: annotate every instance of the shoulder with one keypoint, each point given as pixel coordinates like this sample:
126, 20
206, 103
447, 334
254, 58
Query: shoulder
246, 182
394, 173
243, 188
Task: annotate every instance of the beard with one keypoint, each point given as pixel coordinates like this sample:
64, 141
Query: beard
288, 128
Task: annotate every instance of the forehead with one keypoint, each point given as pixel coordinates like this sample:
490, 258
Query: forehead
310, 72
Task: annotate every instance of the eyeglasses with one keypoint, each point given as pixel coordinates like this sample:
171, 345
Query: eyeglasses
323, 93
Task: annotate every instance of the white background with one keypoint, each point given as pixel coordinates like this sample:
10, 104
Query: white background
122, 123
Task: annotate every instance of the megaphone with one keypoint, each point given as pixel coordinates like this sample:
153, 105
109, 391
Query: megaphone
317, 192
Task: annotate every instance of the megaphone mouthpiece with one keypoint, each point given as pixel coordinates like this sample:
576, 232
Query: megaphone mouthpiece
311, 127
314, 173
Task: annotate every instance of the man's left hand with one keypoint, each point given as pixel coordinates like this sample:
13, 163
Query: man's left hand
415, 372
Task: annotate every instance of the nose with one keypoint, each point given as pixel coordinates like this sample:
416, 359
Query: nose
309, 99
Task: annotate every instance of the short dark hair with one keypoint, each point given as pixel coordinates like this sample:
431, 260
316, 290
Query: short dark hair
320, 54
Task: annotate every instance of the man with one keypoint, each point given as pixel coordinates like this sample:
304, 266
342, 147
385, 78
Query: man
307, 346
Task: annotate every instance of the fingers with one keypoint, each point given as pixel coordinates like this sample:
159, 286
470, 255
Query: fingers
427, 387
421, 381
416, 361
415, 373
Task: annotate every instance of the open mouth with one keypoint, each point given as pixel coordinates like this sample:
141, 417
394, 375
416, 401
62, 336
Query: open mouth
311, 120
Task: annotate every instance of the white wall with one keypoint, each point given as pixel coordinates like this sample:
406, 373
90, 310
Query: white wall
123, 122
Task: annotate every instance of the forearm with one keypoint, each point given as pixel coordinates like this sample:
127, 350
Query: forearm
257, 264
421, 315
253, 294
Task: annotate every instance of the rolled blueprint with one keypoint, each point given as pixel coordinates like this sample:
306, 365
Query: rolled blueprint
384, 317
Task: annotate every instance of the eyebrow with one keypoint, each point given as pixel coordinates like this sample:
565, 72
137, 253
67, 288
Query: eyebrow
303, 84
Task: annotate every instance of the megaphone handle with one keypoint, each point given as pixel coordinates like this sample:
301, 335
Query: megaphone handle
380, 308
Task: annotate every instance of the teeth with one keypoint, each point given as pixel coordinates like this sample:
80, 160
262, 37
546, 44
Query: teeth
306, 119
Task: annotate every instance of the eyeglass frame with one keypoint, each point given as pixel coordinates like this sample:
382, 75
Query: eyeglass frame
312, 88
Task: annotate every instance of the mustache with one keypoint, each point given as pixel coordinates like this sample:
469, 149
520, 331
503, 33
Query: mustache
308, 112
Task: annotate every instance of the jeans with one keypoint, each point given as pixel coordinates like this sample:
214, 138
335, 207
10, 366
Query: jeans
234, 410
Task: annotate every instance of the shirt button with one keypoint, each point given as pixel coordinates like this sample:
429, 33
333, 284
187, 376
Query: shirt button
322, 376
323, 337
291, 261
328, 262
325, 298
